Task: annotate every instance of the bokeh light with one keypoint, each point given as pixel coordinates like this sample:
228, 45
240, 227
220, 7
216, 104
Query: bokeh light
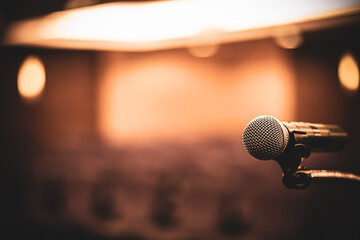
203, 51
348, 72
31, 77
289, 37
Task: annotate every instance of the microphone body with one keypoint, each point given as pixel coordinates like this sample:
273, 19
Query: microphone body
317, 137
266, 138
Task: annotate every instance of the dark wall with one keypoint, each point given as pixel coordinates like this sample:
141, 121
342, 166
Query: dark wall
332, 208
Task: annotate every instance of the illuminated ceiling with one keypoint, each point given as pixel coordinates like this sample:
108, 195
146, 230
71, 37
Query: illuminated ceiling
146, 26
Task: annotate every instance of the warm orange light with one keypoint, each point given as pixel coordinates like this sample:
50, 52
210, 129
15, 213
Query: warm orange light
170, 95
348, 72
288, 37
168, 24
203, 51
31, 77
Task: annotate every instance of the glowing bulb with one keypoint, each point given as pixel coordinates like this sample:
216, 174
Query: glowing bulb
289, 37
31, 77
348, 72
206, 44
203, 51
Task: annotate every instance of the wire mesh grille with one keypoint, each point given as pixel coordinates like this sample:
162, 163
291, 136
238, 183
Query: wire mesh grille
265, 138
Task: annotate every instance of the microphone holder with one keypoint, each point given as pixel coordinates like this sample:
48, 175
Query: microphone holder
298, 177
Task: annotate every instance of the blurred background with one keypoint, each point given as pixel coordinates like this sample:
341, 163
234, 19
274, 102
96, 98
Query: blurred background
123, 120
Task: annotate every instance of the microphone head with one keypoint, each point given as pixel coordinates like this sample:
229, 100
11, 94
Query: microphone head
265, 137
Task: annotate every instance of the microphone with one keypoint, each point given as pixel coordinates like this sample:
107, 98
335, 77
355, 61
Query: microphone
266, 138
288, 143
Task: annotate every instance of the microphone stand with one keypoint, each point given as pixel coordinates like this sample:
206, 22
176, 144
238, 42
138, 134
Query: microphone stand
298, 177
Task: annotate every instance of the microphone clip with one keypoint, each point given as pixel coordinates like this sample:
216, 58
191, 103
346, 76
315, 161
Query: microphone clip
298, 177
294, 176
